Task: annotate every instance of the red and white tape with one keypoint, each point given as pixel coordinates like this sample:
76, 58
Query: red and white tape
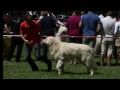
66, 36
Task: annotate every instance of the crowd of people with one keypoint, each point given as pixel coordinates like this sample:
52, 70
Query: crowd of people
32, 30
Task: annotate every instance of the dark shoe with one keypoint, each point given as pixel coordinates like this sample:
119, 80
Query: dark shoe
32, 64
17, 60
49, 64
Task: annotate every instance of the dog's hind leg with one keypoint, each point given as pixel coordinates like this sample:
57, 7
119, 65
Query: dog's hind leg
60, 66
91, 72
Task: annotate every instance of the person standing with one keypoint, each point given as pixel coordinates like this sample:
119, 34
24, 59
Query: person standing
74, 29
91, 25
107, 40
98, 40
115, 16
14, 23
48, 25
30, 32
117, 40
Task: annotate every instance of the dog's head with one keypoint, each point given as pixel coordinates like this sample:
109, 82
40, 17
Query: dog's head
49, 40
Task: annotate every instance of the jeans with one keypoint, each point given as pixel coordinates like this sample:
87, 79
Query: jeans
43, 58
44, 51
29, 50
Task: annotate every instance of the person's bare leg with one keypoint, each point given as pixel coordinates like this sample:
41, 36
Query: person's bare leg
109, 57
118, 58
102, 59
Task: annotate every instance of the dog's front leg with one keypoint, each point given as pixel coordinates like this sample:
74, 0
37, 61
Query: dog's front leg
92, 72
60, 66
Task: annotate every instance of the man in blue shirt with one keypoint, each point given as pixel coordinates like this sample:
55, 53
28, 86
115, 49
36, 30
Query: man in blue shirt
91, 25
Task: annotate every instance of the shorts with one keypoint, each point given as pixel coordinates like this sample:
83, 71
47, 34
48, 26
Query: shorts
117, 42
107, 47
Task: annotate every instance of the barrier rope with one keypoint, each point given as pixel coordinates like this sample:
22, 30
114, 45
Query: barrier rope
66, 36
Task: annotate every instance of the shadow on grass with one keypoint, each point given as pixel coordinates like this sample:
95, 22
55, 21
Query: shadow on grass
105, 64
68, 73
78, 73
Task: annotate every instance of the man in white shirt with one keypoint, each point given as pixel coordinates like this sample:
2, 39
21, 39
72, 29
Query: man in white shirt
107, 43
98, 39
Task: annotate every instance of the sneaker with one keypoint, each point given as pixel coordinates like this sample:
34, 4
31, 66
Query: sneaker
17, 60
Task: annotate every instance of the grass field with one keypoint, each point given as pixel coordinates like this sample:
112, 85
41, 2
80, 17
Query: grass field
22, 70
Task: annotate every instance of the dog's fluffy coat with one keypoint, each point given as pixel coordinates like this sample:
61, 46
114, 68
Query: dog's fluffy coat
62, 51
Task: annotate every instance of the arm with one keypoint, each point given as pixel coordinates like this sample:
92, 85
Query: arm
7, 29
99, 26
40, 31
80, 24
116, 28
22, 35
60, 23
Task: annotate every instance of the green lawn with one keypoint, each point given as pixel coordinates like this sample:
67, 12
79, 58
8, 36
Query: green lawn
22, 70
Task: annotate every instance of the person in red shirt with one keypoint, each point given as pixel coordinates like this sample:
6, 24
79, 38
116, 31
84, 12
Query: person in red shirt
30, 32
74, 30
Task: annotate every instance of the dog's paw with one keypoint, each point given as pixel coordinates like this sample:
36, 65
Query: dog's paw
91, 74
60, 73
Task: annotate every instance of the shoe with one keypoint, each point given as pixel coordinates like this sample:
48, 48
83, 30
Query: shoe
49, 64
17, 60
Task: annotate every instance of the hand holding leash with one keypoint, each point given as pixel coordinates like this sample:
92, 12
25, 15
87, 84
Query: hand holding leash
27, 41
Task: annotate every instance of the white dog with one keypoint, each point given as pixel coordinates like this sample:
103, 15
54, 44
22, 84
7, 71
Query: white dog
62, 51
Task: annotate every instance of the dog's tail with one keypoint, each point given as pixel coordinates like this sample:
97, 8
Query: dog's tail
57, 36
61, 30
